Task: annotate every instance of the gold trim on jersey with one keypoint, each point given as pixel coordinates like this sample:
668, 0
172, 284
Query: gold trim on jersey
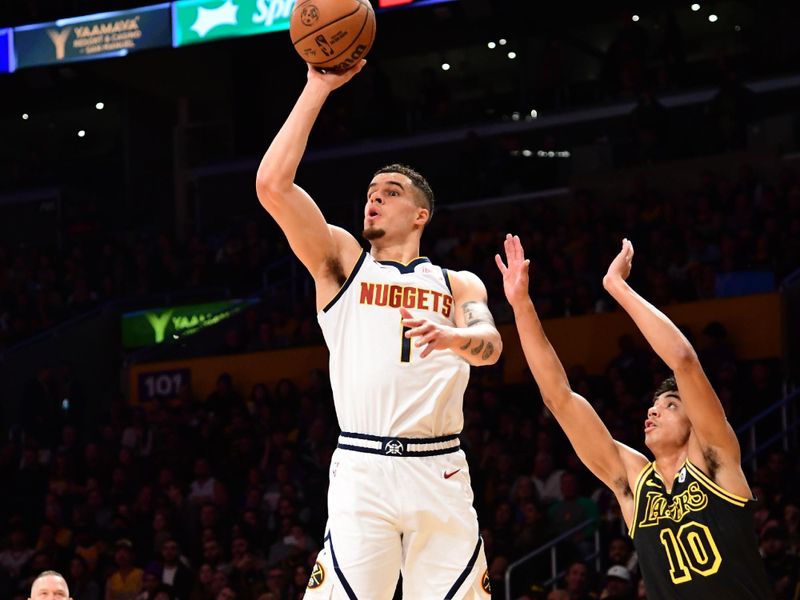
713, 487
637, 487
400, 262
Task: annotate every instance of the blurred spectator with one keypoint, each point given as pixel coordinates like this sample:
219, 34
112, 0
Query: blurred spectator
783, 569
125, 582
618, 585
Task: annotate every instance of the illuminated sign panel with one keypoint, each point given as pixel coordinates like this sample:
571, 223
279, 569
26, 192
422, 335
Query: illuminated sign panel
158, 325
6, 51
93, 36
399, 3
198, 21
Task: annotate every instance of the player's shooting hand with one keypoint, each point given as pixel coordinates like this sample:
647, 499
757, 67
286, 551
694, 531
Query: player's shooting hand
331, 80
515, 275
620, 267
433, 336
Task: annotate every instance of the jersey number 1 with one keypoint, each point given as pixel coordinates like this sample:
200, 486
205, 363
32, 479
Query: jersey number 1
405, 347
692, 549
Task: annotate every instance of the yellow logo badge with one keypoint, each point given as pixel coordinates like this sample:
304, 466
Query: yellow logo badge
486, 583
317, 576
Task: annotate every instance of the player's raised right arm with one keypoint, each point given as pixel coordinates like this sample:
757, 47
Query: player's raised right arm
613, 463
310, 237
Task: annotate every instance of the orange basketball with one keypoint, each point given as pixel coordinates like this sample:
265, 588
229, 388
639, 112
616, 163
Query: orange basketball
332, 34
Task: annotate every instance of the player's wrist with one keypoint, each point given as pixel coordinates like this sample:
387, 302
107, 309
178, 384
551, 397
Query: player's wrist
522, 304
612, 282
318, 88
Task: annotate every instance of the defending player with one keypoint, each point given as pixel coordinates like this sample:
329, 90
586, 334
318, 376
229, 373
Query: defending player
402, 334
688, 511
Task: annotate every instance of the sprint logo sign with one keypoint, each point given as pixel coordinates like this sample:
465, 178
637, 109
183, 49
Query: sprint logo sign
198, 21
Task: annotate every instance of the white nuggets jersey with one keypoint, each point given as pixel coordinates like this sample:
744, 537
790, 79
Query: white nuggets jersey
380, 384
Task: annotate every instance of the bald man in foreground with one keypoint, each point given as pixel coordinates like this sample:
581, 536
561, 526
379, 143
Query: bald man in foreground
49, 585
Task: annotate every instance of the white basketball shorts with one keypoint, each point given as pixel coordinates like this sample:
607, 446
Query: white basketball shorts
400, 505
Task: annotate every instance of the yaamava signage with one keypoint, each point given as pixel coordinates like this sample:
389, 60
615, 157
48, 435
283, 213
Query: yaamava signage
159, 325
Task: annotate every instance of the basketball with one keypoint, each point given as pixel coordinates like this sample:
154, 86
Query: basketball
332, 34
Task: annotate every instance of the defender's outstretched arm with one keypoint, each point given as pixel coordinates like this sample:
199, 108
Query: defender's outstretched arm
702, 405
612, 462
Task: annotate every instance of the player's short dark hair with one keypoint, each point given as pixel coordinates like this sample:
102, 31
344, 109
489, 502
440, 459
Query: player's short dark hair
668, 385
416, 178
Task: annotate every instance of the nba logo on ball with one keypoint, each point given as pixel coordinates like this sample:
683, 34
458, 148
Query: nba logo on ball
332, 34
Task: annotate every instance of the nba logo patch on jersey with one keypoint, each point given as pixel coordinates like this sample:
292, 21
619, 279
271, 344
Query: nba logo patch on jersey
682, 475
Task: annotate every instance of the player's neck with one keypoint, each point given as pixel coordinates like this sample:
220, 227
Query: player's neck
402, 252
669, 461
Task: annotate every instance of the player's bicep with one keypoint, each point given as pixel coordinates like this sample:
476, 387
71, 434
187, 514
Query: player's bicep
592, 441
471, 300
309, 235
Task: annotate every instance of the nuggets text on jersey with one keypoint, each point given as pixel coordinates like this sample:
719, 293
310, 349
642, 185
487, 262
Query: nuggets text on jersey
405, 296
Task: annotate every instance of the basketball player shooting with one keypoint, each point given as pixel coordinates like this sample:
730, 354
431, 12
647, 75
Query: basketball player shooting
688, 511
402, 334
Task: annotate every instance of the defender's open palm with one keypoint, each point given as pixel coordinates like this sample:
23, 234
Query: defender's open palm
620, 267
515, 275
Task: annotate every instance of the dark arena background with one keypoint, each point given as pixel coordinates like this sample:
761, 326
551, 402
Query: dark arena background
165, 398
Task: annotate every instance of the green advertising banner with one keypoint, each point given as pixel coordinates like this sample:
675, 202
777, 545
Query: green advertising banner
198, 21
157, 325
101, 35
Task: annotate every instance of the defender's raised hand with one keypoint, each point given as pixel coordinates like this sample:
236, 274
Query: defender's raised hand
515, 275
620, 267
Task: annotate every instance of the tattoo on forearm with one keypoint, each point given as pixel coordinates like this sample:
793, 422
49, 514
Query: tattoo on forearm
477, 349
489, 351
477, 312
467, 345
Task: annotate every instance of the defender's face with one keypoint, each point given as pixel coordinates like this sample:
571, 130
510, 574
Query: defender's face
391, 206
667, 421
50, 588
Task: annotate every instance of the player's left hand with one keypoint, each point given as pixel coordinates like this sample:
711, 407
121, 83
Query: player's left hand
515, 275
433, 336
620, 267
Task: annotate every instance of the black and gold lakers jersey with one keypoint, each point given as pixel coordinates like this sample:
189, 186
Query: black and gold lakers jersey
697, 541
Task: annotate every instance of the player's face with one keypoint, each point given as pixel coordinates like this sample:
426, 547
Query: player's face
50, 588
667, 422
391, 207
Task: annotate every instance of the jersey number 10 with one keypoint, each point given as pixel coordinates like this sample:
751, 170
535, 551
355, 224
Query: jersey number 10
692, 549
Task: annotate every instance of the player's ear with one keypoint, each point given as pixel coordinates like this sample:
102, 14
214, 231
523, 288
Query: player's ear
423, 214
